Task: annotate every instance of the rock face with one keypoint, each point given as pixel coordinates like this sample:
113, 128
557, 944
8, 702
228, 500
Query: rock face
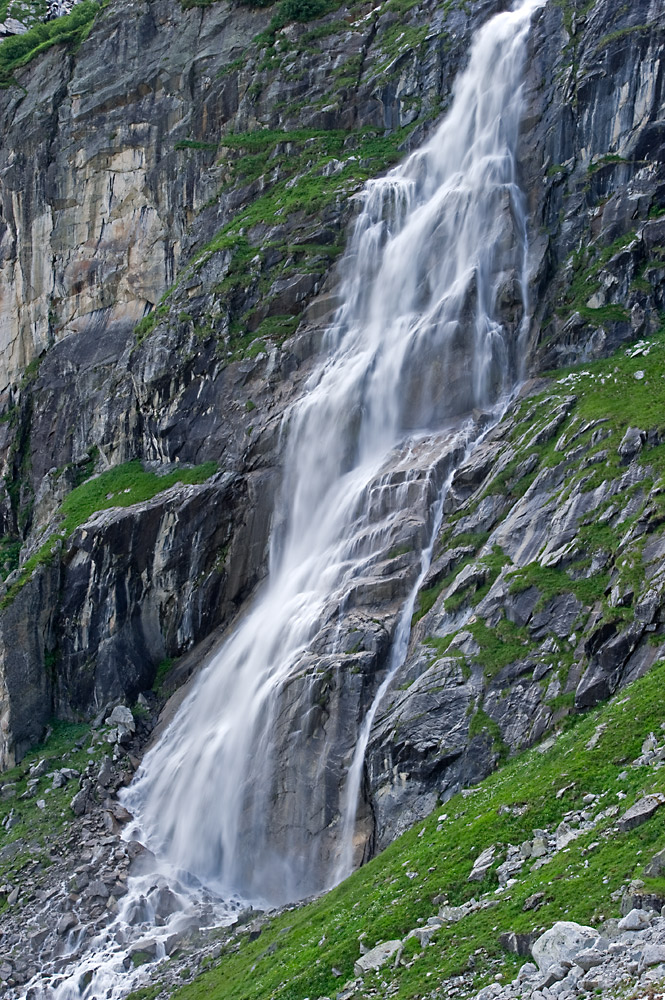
207, 202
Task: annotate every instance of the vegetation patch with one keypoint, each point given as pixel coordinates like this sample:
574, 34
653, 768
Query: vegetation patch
505, 643
308, 951
28, 830
122, 486
70, 29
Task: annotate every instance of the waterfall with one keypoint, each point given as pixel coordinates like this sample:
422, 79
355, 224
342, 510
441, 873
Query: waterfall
432, 326
437, 249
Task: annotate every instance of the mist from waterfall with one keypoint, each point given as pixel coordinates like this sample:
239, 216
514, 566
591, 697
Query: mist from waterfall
432, 325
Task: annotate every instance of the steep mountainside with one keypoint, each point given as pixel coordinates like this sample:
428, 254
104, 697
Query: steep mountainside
211, 186
176, 192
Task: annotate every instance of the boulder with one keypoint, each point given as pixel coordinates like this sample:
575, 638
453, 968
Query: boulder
482, 864
79, 802
636, 920
640, 812
68, 921
376, 958
562, 943
653, 954
122, 716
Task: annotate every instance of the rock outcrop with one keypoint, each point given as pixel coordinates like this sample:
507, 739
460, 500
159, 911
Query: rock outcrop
162, 297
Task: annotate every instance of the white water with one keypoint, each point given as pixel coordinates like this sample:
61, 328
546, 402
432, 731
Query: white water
417, 343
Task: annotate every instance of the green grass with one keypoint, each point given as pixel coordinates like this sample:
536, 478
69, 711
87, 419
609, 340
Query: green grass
161, 674
588, 264
71, 30
196, 144
482, 724
551, 582
295, 955
621, 33
121, 486
499, 646
124, 486
39, 829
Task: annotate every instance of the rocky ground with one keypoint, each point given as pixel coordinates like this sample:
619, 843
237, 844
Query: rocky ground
62, 889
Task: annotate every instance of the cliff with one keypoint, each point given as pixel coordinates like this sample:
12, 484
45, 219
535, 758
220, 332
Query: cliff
176, 192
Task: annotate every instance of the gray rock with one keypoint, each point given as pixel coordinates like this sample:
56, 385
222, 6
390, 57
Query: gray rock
482, 864
376, 958
631, 443
67, 922
79, 802
105, 772
588, 958
640, 812
122, 716
656, 867
561, 943
97, 890
653, 954
636, 920
518, 944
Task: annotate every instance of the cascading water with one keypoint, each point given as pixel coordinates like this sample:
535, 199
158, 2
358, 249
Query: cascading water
431, 327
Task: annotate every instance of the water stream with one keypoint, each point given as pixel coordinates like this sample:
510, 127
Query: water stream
432, 326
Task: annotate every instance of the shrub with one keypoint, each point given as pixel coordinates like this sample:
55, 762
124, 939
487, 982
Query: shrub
303, 10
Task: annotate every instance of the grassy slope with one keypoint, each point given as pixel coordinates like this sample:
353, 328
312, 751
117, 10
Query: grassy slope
295, 956
71, 29
121, 486
39, 829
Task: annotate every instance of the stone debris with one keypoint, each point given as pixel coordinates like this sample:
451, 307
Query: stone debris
624, 961
377, 957
561, 943
640, 812
652, 755
482, 864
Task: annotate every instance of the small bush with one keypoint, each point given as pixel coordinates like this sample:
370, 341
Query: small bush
303, 10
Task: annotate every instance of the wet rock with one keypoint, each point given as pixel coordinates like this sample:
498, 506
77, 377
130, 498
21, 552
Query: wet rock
97, 890
67, 922
143, 951
163, 901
